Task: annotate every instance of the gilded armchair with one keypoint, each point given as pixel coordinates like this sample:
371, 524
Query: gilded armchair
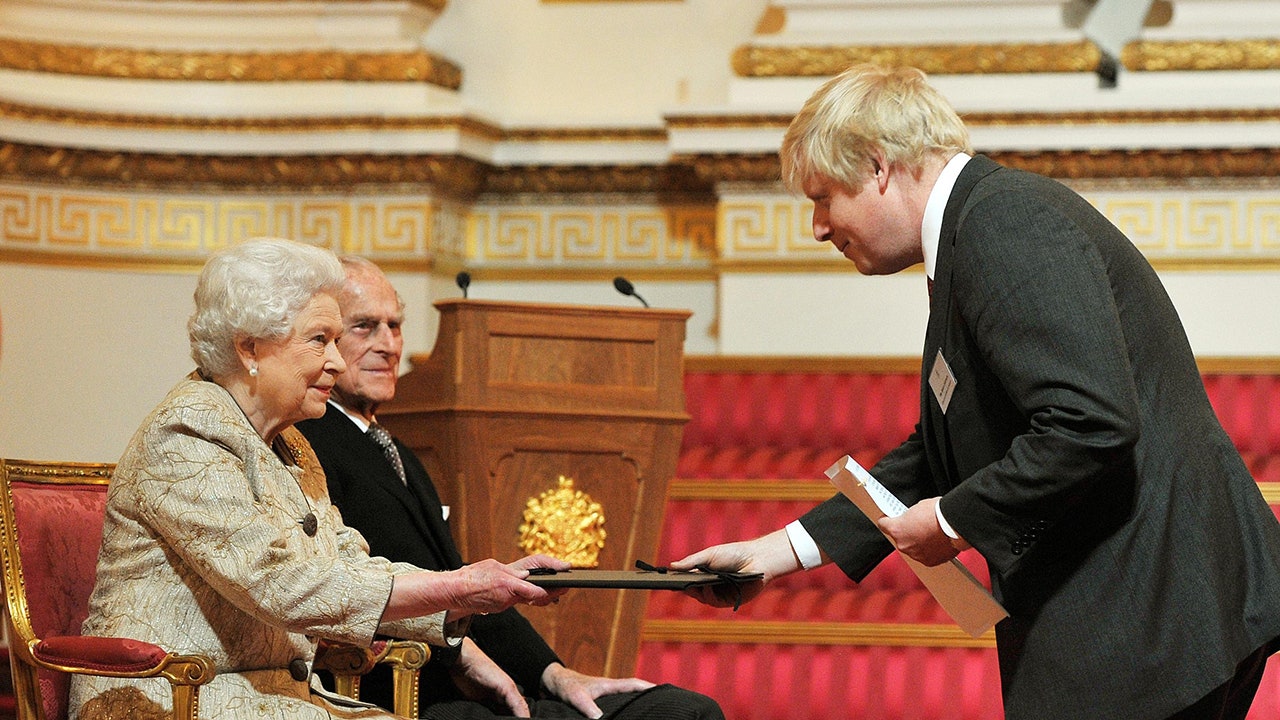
50, 529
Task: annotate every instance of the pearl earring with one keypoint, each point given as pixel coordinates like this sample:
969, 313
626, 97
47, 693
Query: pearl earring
253, 371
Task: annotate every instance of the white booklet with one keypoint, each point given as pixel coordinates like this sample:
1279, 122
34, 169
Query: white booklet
965, 599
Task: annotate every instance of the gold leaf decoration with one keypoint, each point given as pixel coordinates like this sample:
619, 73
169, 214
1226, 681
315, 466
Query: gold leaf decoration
564, 523
290, 66
959, 59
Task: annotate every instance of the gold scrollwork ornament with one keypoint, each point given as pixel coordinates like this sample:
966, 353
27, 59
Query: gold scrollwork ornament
564, 523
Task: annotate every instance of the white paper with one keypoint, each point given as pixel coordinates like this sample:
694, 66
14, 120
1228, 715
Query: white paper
964, 598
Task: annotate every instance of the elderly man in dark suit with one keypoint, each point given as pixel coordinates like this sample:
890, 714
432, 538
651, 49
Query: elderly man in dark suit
1064, 428
503, 668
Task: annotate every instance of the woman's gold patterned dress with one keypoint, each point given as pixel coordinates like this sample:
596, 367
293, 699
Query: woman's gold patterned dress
203, 551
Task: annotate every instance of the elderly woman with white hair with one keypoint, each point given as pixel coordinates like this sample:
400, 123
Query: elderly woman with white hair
219, 536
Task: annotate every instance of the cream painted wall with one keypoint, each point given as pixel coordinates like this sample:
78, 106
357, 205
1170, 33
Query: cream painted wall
86, 355
530, 63
1229, 314
826, 314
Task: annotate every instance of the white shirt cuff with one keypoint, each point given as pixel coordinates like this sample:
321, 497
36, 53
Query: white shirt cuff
942, 522
802, 544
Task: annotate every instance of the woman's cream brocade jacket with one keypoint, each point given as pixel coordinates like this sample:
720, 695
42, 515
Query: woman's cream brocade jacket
203, 551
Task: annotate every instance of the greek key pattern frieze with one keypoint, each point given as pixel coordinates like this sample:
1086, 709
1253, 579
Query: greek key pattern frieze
1202, 226
584, 236
1193, 225
768, 227
159, 228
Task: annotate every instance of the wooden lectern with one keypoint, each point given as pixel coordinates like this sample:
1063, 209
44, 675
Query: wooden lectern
516, 396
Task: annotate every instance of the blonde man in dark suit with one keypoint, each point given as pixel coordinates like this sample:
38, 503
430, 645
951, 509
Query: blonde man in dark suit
1064, 428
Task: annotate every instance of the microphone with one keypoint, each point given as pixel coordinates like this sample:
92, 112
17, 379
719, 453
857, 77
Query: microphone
625, 287
464, 281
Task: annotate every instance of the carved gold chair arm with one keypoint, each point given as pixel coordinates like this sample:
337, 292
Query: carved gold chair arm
347, 663
114, 657
406, 658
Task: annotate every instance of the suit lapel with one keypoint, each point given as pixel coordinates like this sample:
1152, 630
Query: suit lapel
941, 319
369, 462
432, 510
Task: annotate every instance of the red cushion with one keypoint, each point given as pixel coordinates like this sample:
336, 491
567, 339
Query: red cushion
100, 653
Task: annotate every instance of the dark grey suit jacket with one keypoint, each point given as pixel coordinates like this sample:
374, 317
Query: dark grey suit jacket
406, 524
1081, 457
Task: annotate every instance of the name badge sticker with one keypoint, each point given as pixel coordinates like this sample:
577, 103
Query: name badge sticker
942, 382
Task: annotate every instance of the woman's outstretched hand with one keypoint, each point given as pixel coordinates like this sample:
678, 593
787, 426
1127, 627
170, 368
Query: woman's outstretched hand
483, 587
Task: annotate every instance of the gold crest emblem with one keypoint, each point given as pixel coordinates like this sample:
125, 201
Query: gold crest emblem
564, 523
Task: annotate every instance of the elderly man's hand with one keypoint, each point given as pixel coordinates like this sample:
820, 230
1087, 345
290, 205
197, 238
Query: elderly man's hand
581, 691
480, 679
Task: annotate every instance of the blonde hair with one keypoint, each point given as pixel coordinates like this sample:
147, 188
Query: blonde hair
864, 109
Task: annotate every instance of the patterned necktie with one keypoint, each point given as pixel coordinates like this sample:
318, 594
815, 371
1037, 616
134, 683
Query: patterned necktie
383, 438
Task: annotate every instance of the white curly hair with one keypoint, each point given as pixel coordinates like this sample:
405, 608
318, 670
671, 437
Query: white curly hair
255, 290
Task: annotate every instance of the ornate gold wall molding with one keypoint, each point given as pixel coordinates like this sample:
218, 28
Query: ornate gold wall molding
961, 59
1190, 227
674, 181
59, 225
444, 175
1169, 164
765, 226
120, 62
688, 178
1261, 54
779, 121
1200, 225
1154, 165
452, 123
978, 59
679, 237
743, 168
1122, 117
